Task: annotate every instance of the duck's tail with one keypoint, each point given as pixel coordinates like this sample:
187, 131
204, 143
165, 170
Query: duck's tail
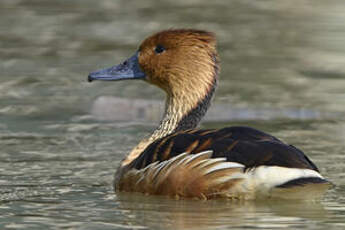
302, 188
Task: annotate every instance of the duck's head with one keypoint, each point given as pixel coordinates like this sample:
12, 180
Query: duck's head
180, 62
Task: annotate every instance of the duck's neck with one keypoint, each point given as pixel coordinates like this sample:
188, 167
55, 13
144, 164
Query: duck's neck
178, 116
181, 113
184, 109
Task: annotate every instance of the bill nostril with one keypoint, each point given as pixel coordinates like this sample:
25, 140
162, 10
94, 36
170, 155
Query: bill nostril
89, 78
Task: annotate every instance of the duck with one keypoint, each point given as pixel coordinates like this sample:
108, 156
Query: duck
179, 160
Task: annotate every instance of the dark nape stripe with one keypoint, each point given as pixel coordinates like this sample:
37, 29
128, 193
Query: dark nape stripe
192, 119
302, 181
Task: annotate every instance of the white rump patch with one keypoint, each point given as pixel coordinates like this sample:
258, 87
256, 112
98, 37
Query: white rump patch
267, 177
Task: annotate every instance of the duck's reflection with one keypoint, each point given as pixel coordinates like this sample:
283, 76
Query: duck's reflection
160, 212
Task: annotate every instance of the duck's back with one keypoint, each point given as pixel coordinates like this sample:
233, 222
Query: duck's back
230, 162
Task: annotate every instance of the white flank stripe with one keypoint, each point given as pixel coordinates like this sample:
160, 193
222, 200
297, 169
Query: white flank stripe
206, 162
194, 156
223, 165
227, 178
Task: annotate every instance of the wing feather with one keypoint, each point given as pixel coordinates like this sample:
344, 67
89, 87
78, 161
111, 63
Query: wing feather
243, 145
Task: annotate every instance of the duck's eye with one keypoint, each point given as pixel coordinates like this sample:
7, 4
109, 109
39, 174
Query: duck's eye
159, 49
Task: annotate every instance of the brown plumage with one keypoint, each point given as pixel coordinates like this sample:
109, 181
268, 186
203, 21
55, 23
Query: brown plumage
182, 176
180, 161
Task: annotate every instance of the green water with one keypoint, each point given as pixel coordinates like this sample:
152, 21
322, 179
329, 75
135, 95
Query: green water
283, 71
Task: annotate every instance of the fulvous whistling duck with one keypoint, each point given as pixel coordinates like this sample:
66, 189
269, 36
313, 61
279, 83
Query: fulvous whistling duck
180, 161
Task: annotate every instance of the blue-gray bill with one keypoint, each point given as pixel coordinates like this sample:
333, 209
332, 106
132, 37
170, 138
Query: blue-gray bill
127, 70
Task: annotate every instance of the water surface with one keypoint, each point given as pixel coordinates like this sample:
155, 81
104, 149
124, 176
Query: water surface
283, 71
